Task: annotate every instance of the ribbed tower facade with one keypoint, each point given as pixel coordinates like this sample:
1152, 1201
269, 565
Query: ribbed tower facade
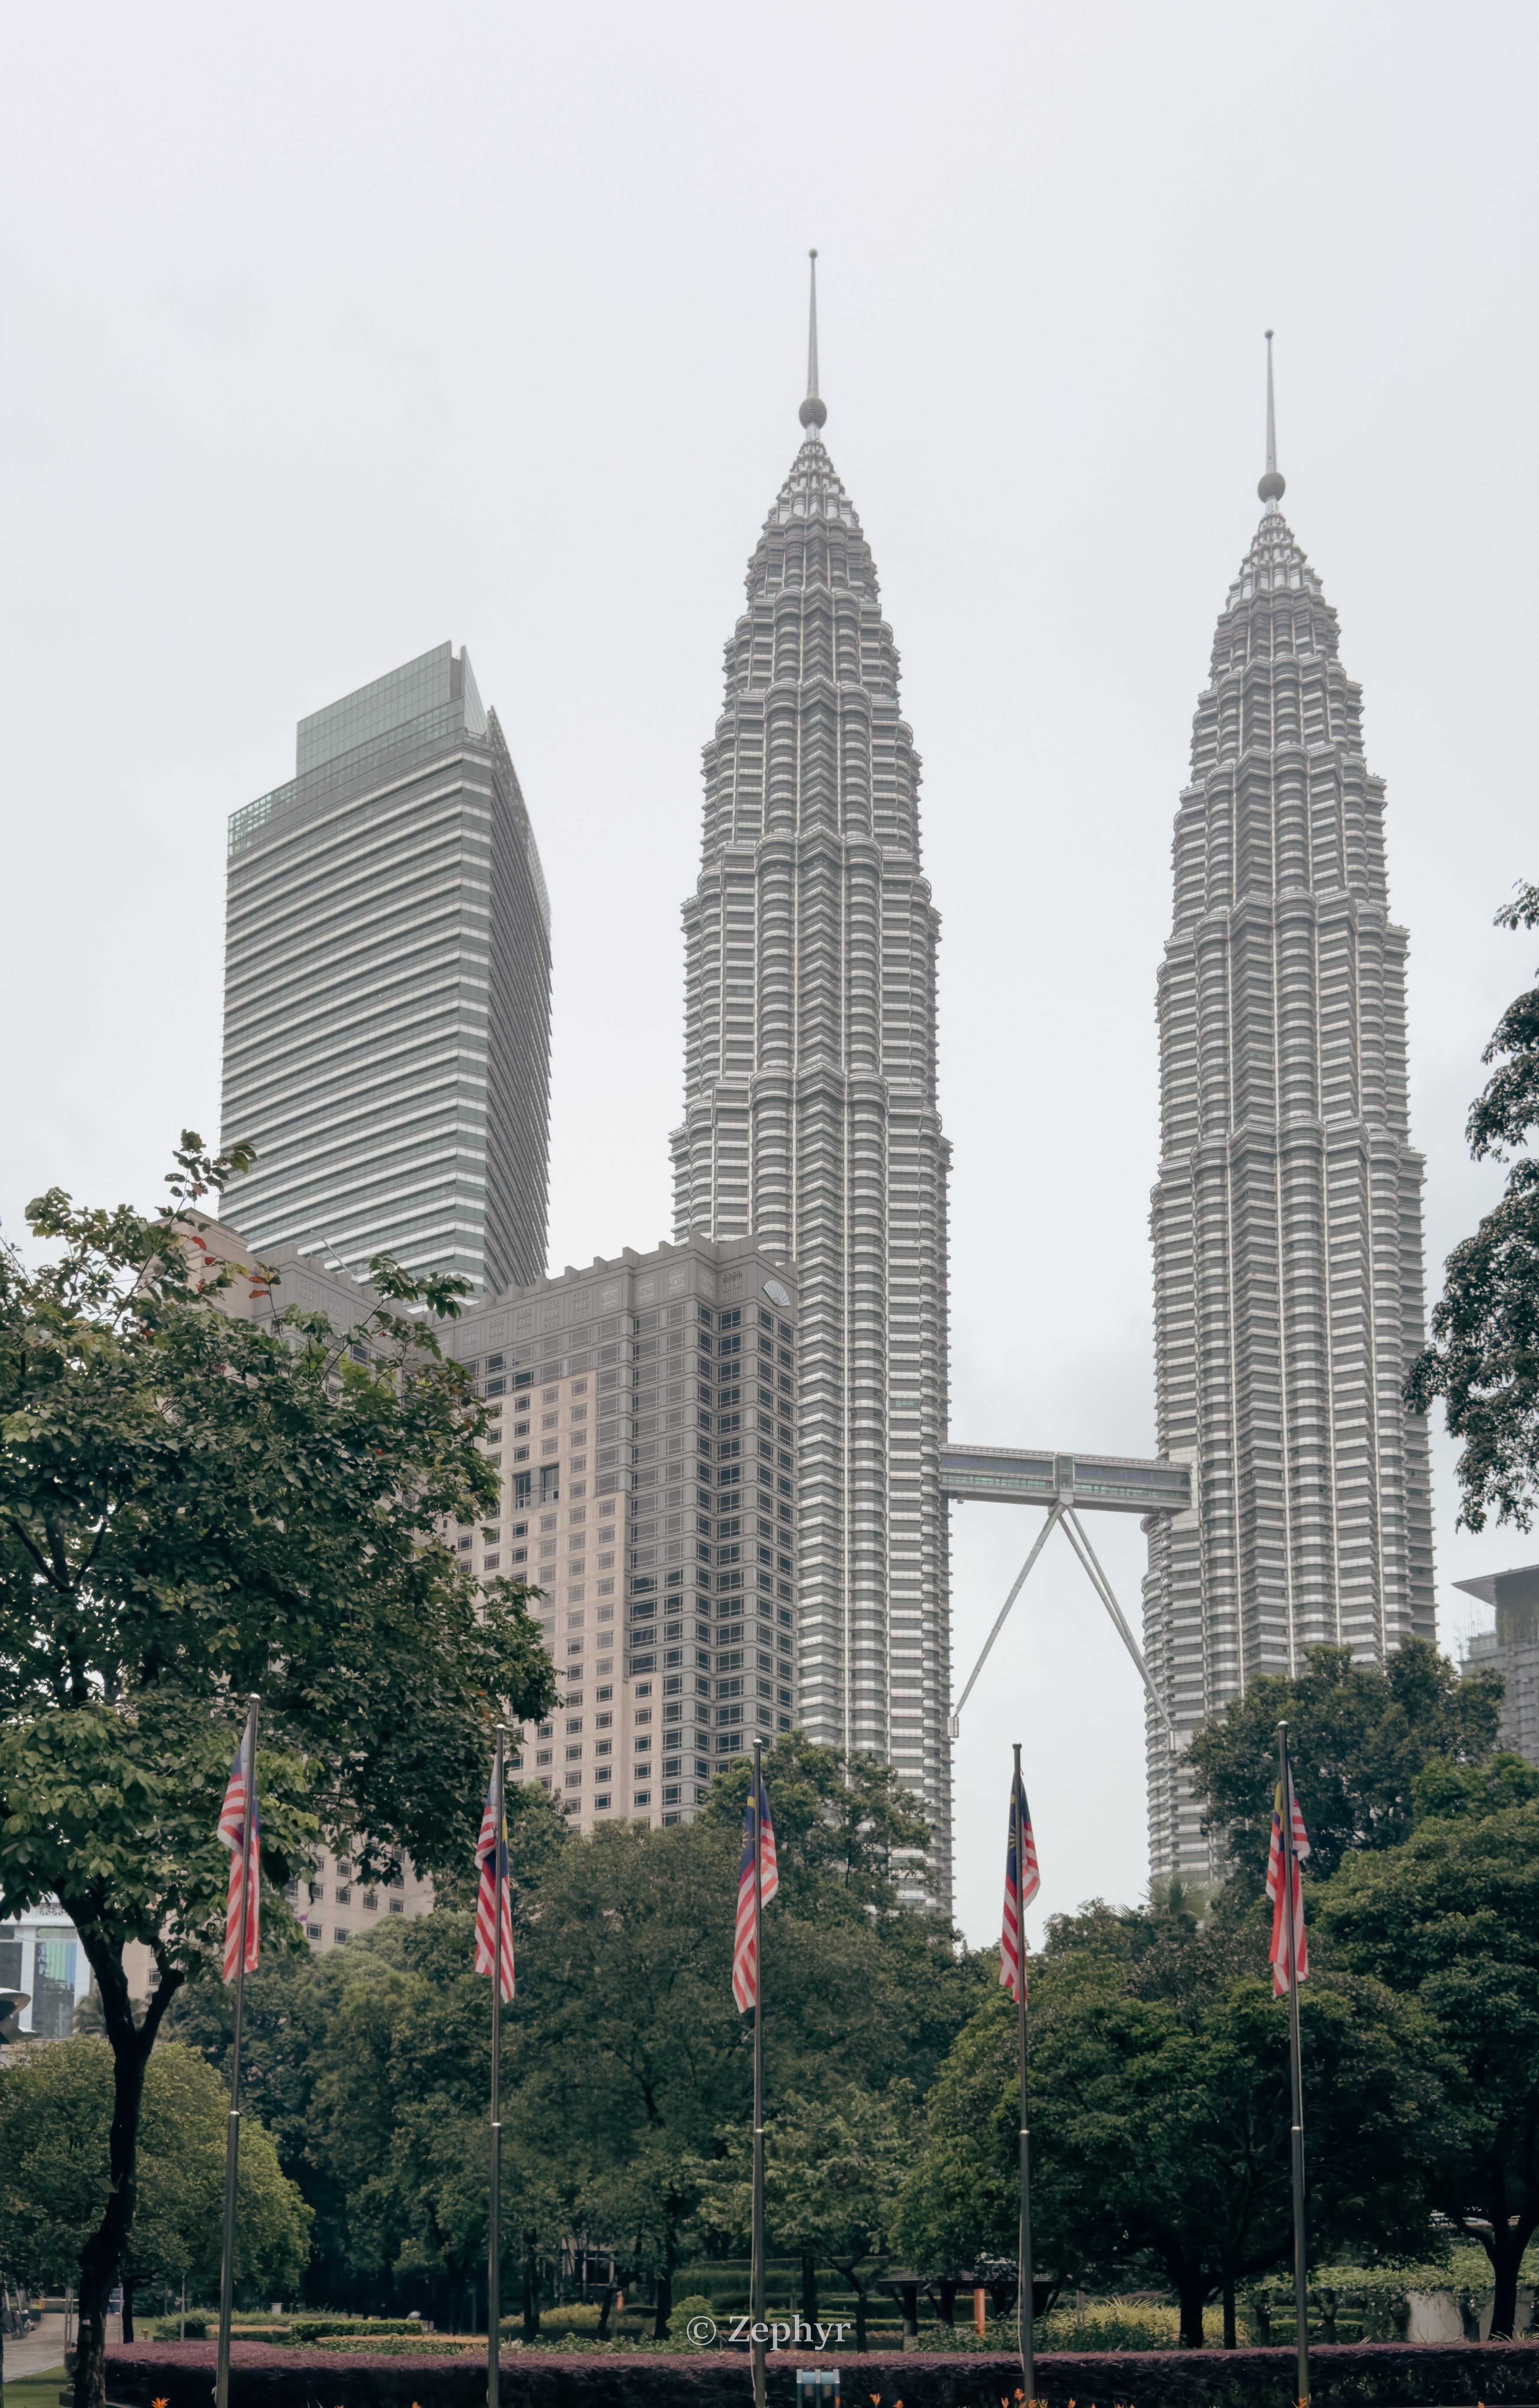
387, 989
1286, 1216
810, 1110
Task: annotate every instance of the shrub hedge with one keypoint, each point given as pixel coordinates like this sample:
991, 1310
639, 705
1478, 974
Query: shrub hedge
1379, 2374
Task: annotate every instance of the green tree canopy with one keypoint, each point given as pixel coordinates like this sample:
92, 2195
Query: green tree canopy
840, 1819
1159, 2104
197, 1501
625, 2057
833, 2176
1450, 1919
1484, 1358
55, 2112
1359, 1735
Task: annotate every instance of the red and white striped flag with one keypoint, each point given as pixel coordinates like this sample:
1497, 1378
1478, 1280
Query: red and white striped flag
1022, 1880
745, 1963
232, 1831
1277, 1954
492, 1854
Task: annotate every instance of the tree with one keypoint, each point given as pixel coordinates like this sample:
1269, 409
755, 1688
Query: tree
1484, 1357
194, 1504
1158, 2101
839, 1817
833, 2175
1450, 1918
1358, 1734
56, 2108
624, 2054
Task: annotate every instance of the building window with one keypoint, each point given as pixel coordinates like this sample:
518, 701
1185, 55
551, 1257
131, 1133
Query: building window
574, 1781
338, 1935
371, 1899
344, 1896
314, 1934
641, 1798
397, 1906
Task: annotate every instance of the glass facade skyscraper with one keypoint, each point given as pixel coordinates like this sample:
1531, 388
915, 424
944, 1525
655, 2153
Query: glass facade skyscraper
387, 989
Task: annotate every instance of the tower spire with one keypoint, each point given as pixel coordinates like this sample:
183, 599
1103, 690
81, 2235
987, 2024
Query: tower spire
1271, 487
813, 411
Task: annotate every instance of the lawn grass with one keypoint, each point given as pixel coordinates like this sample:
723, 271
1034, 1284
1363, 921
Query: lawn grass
35, 2390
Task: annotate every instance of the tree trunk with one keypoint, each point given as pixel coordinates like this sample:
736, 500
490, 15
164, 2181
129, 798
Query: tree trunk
104, 2252
1505, 2249
531, 2288
809, 2287
860, 2317
604, 2312
663, 2307
1231, 2338
1191, 2291
944, 2296
127, 2306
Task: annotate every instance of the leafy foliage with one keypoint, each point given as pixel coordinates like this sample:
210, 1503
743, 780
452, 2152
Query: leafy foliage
1450, 1918
202, 1495
1358, 1736
833, 2176
55, 2110
627, 2066
1484, 1357
1158, 2101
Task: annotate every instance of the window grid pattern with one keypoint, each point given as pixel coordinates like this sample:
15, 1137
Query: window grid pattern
1287, 1215
810, 1110
387, 991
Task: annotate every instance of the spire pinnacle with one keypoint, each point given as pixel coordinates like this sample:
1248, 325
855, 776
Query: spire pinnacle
1271, 487
813, 411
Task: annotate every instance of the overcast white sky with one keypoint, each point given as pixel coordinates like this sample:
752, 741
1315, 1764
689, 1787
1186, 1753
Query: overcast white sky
334, 331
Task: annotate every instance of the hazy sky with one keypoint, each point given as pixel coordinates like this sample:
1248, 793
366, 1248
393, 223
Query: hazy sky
332, 332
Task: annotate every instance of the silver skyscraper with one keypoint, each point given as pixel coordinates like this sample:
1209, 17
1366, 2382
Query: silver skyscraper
387, 985
809, 1107
1286, 1216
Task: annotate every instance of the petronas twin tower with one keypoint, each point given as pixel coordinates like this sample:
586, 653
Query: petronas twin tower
1287, 1215
809, 1107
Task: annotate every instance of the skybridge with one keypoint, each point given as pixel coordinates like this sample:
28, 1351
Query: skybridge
1067, 1485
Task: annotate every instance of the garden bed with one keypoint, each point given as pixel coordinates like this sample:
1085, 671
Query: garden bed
1376, 2374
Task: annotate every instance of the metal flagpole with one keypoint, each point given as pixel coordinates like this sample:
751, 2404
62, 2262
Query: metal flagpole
1025, 2320
494, 2319
755, 2293
1291, 1944
232, 2132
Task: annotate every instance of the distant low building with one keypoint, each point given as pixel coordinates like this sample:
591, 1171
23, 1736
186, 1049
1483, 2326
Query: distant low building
42, 1958
1511, 1649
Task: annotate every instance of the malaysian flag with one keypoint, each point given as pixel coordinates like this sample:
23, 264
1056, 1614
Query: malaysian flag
232, 1831
1277, 1954
491, 1857
745, 1963
1022, 1880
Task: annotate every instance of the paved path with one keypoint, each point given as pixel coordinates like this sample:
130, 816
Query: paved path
44, 2347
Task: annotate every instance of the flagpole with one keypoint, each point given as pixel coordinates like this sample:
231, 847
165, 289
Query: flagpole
755, 2291
232, 2129
494, 2217
1025, 2320
1291, 1944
